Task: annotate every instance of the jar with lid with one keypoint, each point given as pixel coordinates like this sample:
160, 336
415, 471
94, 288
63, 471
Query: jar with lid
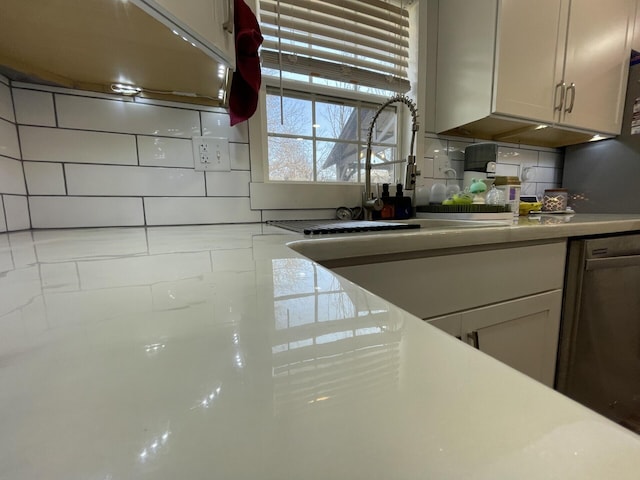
555, 200
510, 187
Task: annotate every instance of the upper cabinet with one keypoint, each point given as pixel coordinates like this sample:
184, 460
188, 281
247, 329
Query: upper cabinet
208, 23
94, 44
552, 74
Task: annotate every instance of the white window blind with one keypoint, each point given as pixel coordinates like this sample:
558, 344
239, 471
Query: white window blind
361, 42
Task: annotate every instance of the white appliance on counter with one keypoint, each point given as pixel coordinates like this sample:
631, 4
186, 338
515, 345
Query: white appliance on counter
480, 163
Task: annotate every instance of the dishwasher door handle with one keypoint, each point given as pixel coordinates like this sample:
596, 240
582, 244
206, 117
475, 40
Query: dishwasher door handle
613, 262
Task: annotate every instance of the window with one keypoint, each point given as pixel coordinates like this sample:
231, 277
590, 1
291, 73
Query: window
319, 139
339, 59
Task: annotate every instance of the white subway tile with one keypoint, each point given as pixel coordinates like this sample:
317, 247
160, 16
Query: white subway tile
169, 103
507, 170
17, 212
133, 181
74, 146
548, 175
165, 152
550, 159
4, 80
34, 107
184, 211
240, 158
541, 187
217, 125
434, 146
3, 228
126, 117
456, 149
425, 167
44, 178
6, 105
321, 214
9, 146
71, 91
529, 188
11, 177
71, 212
458, 166
228, 184
508, 155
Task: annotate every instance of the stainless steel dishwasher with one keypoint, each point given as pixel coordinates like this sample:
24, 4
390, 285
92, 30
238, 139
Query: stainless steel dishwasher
599, 353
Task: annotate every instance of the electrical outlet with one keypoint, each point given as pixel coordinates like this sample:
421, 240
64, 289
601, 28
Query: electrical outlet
211, 154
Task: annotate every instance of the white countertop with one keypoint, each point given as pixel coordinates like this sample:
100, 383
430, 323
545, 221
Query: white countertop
218, 352
531, 228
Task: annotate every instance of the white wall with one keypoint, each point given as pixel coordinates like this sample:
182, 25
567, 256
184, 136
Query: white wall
14, 213
79, 159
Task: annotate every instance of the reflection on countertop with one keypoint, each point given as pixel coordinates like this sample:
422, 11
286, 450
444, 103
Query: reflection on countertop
217, 351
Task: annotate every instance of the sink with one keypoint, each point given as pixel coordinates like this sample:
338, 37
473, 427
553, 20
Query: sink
361, 226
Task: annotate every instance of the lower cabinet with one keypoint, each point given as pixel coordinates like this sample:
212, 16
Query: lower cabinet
522, 333
505, 300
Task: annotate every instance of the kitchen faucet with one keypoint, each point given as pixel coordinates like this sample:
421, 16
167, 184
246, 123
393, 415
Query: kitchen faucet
371, 202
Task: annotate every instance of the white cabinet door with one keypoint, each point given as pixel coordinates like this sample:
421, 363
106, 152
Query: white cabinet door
451, 324
597, 60
529, 58
521, 333
209, 23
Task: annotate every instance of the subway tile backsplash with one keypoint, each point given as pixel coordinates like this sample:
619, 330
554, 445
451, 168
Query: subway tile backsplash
125, 117
81, 159
11, 177
34, 107
77, 146
9, 146
165, 152
538, 168
71, 212
44, 178
16, 211
6, 105
186, 211
110, 180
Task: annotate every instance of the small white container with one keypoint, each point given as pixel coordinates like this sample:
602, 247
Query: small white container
510, 186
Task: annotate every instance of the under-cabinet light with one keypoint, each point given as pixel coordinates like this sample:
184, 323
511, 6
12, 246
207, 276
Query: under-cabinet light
597, 137
125, 89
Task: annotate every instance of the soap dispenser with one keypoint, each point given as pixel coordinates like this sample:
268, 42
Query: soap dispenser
388, 210
403, 204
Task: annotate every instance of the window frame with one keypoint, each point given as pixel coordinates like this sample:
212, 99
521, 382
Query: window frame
322, 198
360, 140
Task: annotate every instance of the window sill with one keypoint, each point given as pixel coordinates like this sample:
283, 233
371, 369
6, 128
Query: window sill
280, 195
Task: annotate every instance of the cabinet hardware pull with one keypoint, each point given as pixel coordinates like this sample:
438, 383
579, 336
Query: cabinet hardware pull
571, 88
562, 86
473, 336
228, 24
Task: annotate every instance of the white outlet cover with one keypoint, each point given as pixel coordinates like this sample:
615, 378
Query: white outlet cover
211, 154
